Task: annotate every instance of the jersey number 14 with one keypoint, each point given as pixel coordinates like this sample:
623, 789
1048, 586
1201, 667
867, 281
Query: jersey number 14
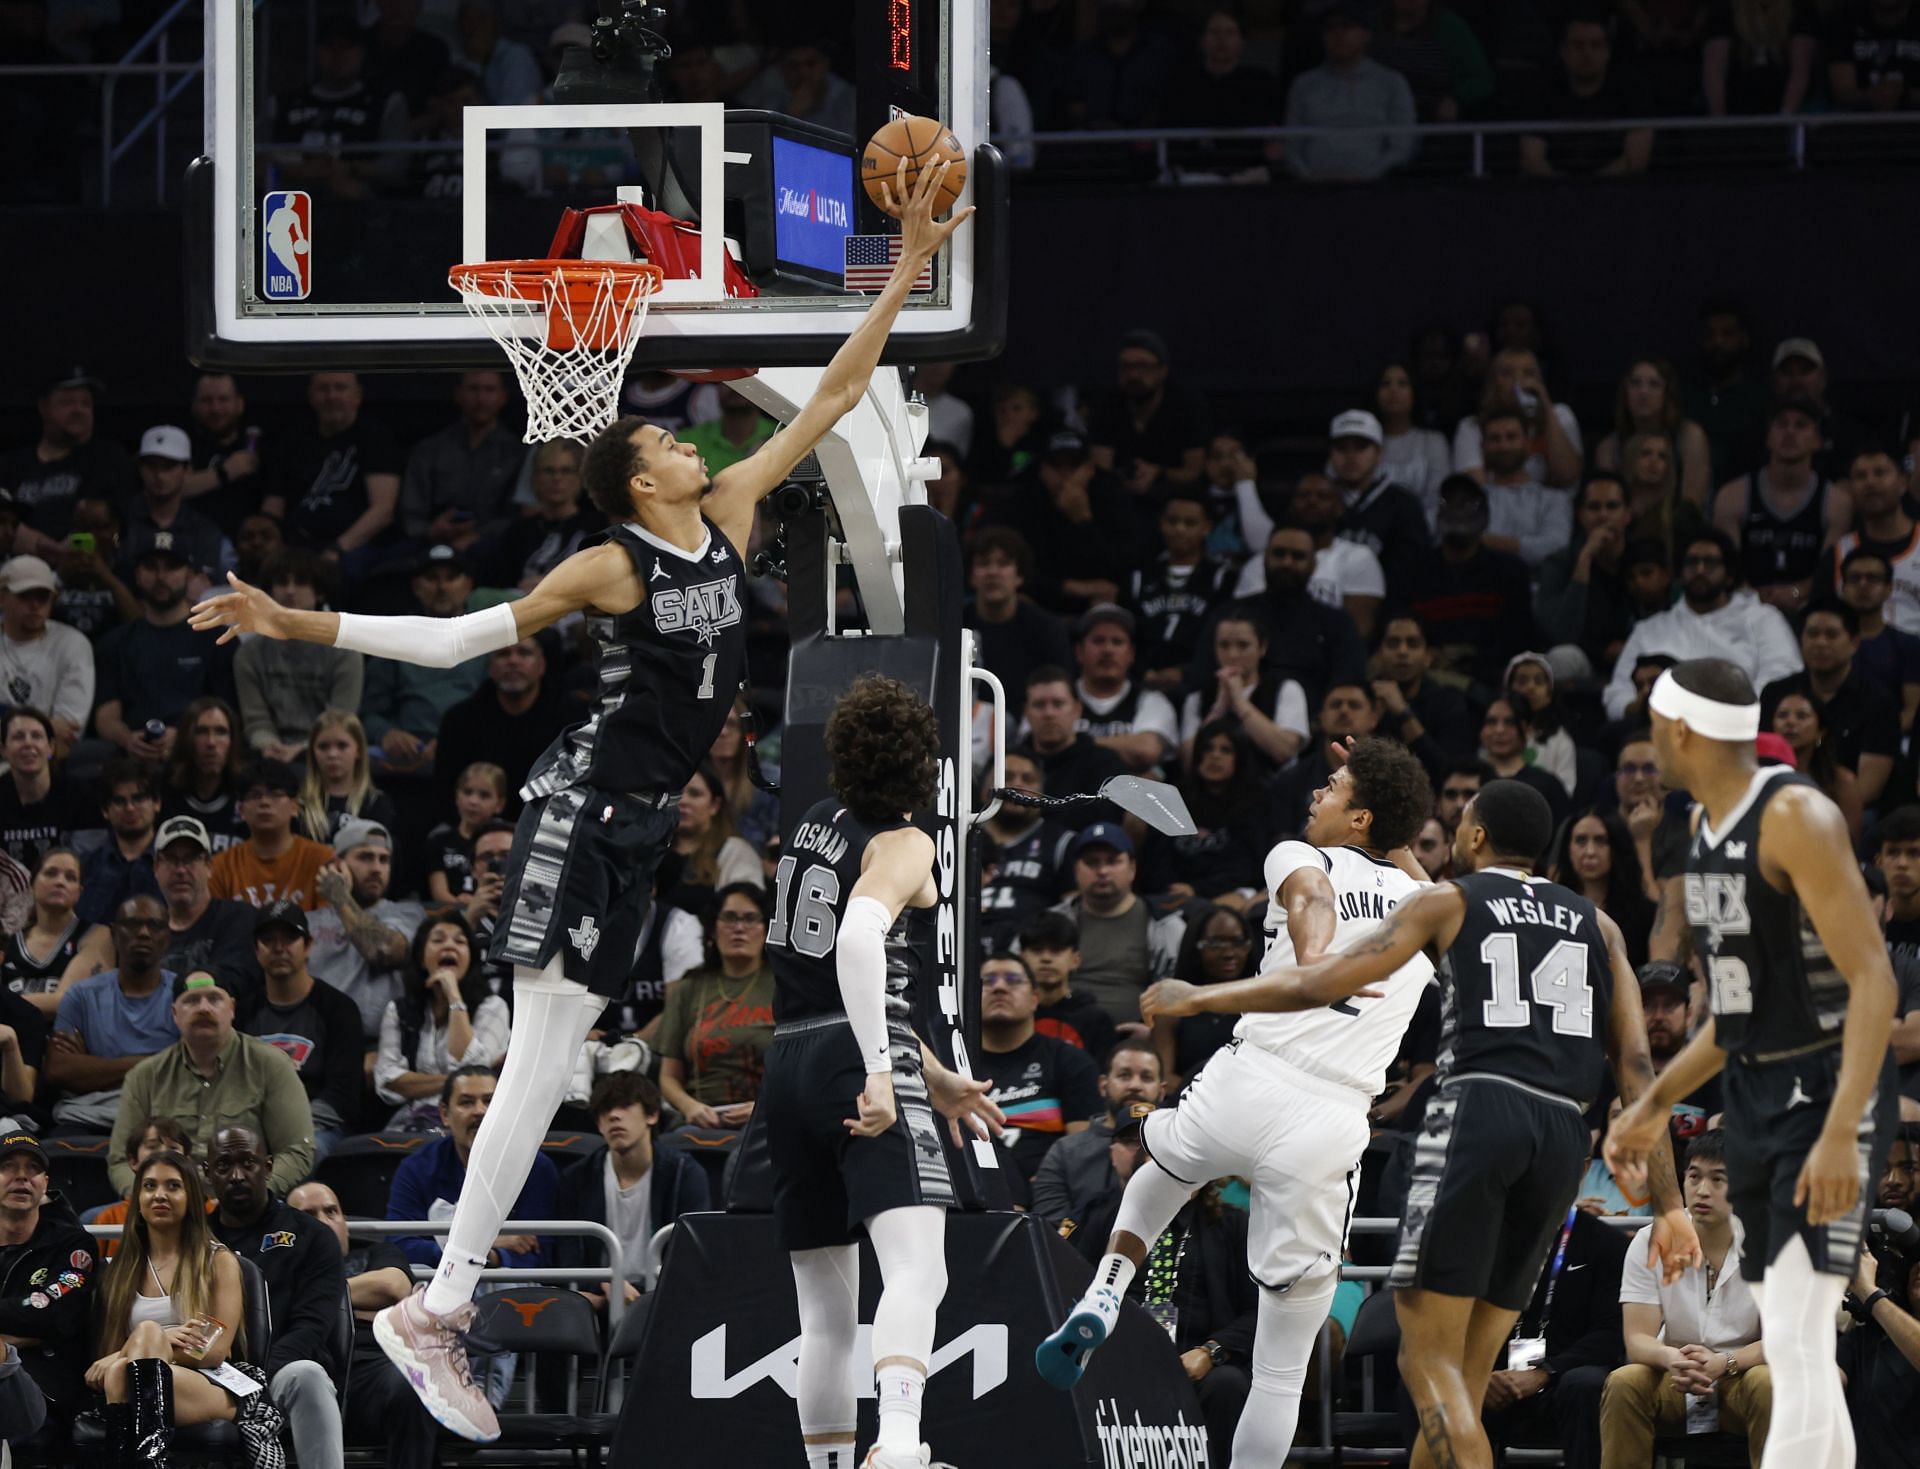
1558, 981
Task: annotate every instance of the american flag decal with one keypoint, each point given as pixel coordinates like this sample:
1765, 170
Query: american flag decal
870, 260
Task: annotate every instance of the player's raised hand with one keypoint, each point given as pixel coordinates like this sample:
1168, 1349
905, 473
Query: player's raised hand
1829, 1182
1672, 1248
877, 1110
920, 233
244, 609
1171, 998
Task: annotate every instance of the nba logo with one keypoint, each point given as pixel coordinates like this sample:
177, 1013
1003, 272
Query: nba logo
286, 242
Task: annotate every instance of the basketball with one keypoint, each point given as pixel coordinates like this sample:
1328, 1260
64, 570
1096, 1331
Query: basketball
921, 141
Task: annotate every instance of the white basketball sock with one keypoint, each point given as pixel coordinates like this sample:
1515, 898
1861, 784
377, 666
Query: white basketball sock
910, 1245
551, 1017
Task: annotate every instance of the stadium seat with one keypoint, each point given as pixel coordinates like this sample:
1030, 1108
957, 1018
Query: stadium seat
537, 1321
360, 1170
78, 1167
1700, 1451
713, 1148
1376, 1333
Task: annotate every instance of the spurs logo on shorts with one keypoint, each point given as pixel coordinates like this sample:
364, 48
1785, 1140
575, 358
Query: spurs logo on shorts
585, 937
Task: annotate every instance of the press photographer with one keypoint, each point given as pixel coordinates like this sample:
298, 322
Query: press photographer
1880, 1356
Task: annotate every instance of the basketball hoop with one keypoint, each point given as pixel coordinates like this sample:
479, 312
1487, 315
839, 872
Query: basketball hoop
570, 372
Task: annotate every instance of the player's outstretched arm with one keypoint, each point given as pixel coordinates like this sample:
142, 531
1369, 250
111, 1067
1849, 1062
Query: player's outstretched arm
1430, 917
1673, 1246
897, 870
1804, 837
738, 488
581, 581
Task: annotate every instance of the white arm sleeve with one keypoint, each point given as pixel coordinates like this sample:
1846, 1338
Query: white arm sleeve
861, 958
431, 642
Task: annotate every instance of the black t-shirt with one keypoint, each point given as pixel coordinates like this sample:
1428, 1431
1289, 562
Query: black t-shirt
220, 942
478, 729
1079, 1021
313, 1033
226, 505
155, 672
1883, 1397
197, 540
28, 1024
452, 854
1032, 638
28, 830
1903, 937
1757, 72
1172, 604
1031, 875
323, 478
1861, 719
220, 816
1041, 1085
45, 492
1623, 95
364, 1259
1878, 50
88, 610
1176, 426
533, 547
1079, 769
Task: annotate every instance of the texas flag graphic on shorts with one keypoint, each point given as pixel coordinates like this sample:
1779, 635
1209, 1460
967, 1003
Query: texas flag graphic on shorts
286, 245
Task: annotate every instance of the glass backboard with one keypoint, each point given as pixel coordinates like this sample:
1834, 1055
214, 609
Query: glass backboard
355, 153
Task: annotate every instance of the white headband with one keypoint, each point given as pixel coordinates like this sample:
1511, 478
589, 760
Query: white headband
1708, 718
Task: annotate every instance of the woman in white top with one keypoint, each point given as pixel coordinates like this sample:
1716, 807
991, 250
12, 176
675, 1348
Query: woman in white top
1271, 713
169, 1278
1417, 458
1553, 433
446, 1017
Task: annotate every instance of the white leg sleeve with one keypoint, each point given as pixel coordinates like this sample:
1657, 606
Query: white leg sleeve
551, 1017
1152, 1198
1810, 1428
1282, 1351
827, 1285
911, 1246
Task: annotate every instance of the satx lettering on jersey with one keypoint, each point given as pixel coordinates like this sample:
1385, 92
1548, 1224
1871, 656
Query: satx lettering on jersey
1717, 901
1526, 910
705, 608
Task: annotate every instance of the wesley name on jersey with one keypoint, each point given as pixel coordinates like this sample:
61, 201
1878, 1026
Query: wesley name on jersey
1515, 911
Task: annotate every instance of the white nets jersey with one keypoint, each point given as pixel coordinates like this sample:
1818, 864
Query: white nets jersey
1352, 1042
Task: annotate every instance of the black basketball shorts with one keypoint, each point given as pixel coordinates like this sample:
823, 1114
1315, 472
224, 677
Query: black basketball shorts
826, 1182
1774, 1113
1495, 1168
579, 883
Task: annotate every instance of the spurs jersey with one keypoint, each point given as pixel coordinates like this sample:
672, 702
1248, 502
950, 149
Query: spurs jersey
1528, 986
669, 672
1772, 985
1352, 1042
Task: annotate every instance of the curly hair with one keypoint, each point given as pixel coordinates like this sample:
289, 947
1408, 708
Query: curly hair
1389, 780
612, 460
883, 749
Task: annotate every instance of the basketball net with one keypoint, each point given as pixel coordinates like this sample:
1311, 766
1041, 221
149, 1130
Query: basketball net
569, 329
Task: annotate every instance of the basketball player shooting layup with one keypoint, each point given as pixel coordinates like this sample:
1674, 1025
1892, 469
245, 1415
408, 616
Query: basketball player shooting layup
1285, 1105
1537, 988
850, 1091
1802, 999
663, 595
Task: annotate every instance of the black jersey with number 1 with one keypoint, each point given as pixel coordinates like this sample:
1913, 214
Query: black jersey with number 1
669, 671
820, 861
1772, 985
1528, 986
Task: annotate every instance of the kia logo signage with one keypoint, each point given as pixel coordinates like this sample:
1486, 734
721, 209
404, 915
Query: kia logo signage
985, 1345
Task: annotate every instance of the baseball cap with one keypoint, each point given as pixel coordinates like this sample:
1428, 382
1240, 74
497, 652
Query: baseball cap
72, 377
282, 913
1772, 749
1103, 834
182, 829
1067, 443
164, 441
23, 1142
275, 775
358, 831
28, 574
437, 556
1142, 340
1103, 612
163, 547
1126, 1126
1799, 347
1664, 974
1357, 423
